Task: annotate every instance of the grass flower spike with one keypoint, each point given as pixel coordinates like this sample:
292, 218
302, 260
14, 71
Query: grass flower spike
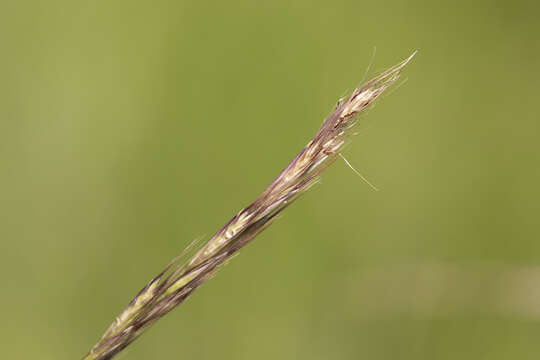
179, 279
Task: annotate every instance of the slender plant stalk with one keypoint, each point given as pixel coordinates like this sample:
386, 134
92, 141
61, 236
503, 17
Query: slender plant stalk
178, 280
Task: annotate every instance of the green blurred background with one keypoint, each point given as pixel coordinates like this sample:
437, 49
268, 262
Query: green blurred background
128, 129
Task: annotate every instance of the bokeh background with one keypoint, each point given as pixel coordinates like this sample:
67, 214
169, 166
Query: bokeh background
130, 128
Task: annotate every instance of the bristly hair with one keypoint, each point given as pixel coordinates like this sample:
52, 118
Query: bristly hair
178, 280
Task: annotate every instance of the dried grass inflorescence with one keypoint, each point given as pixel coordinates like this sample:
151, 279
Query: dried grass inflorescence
178, 280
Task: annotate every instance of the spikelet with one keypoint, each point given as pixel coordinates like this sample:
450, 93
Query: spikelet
177, 281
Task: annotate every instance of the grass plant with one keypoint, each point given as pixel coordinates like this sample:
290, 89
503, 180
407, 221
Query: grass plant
180, 279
